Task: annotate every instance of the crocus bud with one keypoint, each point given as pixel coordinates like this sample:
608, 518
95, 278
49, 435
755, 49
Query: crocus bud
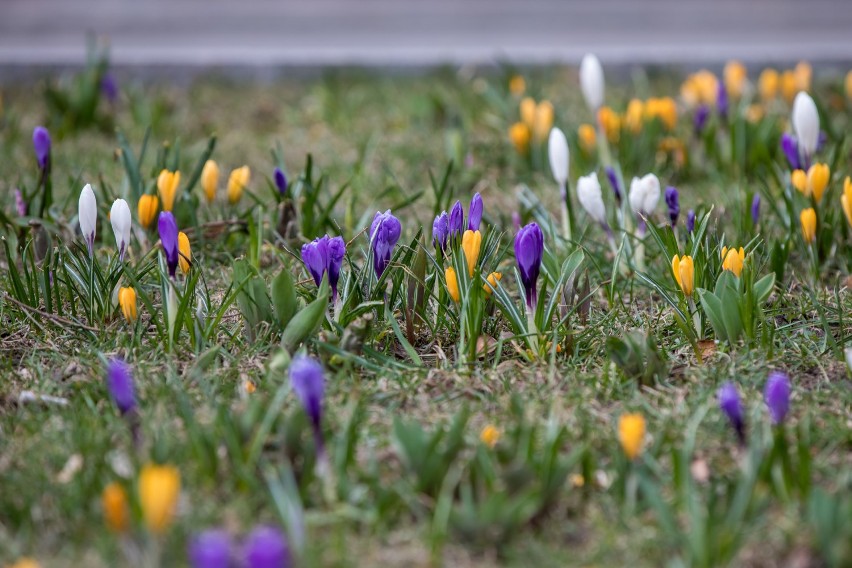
808, 219
491, 282
127, 303
384, 234
280, 181
452, 283
644, 194
41, 146
735, 75
266, 547
440, 231
167, 185
683, 269
146, 210
529, 248
210, 549
612, 177
116, 512
729, 402
733, 260
699, 121
184, 253
755, 209
557, 153
777, 396
210, 179
767, 84
237, 182
690, 221
336, 253
120, 386
471, 243
673, 203
315, 257
159, 489
846, 199
307, 380
817, 178
589, 194
519, 134
790, 147
543, 120
587, 137
456, 222
88, 216
474, 212
527, 112
20, 204
722, 100
169, 239
799, 180
119, 217
806, 124
631, 434
592, 82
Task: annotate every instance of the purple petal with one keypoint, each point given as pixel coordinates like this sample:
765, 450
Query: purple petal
167, 227
266, 547
777, 396
41, 145
120, 385
210, 549
474, 216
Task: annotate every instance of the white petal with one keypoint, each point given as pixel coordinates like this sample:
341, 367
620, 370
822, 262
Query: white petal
88, 212
557, 152
119, 216
592, 81
589, 194
651, 192
806, 123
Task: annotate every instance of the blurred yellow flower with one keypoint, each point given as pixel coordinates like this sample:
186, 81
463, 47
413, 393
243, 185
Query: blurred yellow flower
25, 563
733, 260
237, 182
809, 221
517, 85
788, 85
527, 111
114, 502
588, 138
802, 76
610, 122
700, 88
664, 109
633, 116
754, 113
127, 302
846, 199
210, 179
159, 488
147, 210
184, 252
490, 435
519, 134
735, 76
849, 85
684, 272
631, 434
543, 120
767, 84
167, 185
799, 180
471, 243
493, 279
818, 176
452, 283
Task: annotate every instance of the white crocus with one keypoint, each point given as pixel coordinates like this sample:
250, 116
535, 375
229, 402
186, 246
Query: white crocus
848, 353
644, 194
592, 81
806, 123
119, 216
589, 194
557, 152
88, 216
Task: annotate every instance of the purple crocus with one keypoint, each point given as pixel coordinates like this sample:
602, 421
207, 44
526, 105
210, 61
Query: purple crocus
699, 121
41, 145
755, 209
109, 87
325, 256
529, 247
690, 221
777, 396
169, 239
440, 231
280, 181
210, 549
120, 385
722, 100
456, 222
306, 377
20, 203
613, 182
790, 147
474, 213
384, 234
673, 203
266, 547
336, 252
729, 402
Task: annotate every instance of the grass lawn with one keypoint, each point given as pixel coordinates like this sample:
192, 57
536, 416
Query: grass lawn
455, 432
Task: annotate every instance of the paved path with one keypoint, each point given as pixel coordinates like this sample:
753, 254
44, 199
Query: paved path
425, 32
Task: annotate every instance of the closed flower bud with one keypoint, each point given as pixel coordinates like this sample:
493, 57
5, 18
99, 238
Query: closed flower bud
610, 123
529, 248
471, 243
517, 85
167, 185
308, 381
631, 434
777, 396
440, 231
159, 489
492, 281
802, 74
385, 231
806, 124
519, 134
846, 199
280, 181
634, 116
116, 512
591, 198
456, 220
127, 302
452, 283
733, 260
755, 209
673, 203
684, 272
614, 184
41, 146
557, 154
729, 403
184, 253
237, 182
790, 147
799, 180
587, 137
119, 217
169, 240
120, 385
818, 176
146, 210
787, 85
210, 179
325, 256
592, 81
644, 194
808, 219
88, 216
690, 221
474, 212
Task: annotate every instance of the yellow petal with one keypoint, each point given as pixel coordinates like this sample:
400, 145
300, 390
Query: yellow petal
452, 284
631, 434
159, 488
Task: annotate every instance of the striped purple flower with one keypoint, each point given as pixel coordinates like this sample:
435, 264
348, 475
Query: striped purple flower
613, 182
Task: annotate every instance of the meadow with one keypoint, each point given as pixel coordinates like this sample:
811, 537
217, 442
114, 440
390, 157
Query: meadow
467, 318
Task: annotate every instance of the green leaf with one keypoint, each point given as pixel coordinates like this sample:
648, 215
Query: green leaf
763, 287
305, 323
713, 308
284, 298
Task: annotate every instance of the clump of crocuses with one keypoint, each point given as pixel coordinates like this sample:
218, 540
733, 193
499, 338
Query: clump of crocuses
325, 256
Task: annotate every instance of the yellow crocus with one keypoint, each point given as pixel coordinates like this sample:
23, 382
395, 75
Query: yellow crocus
631, 434
127, 302
818, 176
610, 122
808, 219
633, 115
664, 109
802, 76
799, 179
848, 85
114, 502
210, 179
733, 260
684, 272
735, 76
527, 111
767, 84
167, 185
490, 435
471, 243
25, 563
846, 199
147, 210
452, 284
588, 138
238, 181
492, 279
159, 489
788, 85
517, 85
519, 134
754, 113
543, 120
184, 252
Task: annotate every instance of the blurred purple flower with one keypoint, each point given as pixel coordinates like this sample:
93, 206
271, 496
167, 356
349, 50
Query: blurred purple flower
169, 239
384, 234
109, 87
266, 547
41, 145
306, 377
790, 147
474, 214
20, 204
673, 203
822, 139
613, 182
699, 121
210, 549
755, 209
729, 402
722, 100
456, 222
529, 248
440, 231
280, 181
120, 385
777, 396
690, 221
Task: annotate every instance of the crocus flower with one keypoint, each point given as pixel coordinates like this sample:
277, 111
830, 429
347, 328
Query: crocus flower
384, 234
210, 179
529, 248
325, 256
799, 180
557, 153
790, 147
280, 181
722, 100
729, 402
474, 212
516, 221
109, 87
817, 180
631, 434
119, 217
673, 203
146, 209
735, 76
456, 221
440, 230
20, 204
755, 209
587, 137
806, 125
88, 216
490, 435
733, 260
127, 303
452, 283
613, 182
590, 197
491, 282
808, 219
683, 269
159, 489
116, 511
846, 199
120, 385
41, 145
471, 244
237, 182
184, 253
777, 396
592, 82
520, 136
699, 121
767, 84
307, 378
169, 239
543, 121
210, 549
266, 547
644, 195
336, 252
167, 185
690, 221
